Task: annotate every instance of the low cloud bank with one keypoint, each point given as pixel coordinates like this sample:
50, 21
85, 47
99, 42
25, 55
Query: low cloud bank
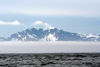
49, 47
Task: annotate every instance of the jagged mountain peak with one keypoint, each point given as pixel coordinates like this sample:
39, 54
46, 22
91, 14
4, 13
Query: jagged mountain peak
52, 34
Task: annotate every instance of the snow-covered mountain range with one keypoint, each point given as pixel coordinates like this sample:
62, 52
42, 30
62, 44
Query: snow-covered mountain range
50, 34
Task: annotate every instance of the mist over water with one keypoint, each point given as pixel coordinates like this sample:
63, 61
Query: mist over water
49, 47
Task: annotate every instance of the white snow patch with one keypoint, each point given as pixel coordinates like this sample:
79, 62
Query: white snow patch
29, 35
81, 35
23, 38
34, 35
50, 37
95, 37
91, 35
19, 35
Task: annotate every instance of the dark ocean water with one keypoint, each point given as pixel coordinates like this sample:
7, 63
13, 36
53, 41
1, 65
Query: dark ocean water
50, 60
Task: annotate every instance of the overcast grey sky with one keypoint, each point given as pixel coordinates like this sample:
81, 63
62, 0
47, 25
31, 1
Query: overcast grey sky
52, 7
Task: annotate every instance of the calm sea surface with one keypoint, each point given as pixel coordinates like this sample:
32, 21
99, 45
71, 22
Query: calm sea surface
50, 60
